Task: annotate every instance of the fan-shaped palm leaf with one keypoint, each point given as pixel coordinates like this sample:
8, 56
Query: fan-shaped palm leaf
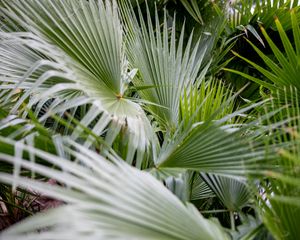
199, 188
167, 66
107, 200
210, 147
73, 51
234, 193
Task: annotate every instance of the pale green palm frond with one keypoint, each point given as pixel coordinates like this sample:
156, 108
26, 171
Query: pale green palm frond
186, 185
230, 149
233, 193
106, 200
72, 26
73, 52
164, 63
202, 147
199, 188
209, 148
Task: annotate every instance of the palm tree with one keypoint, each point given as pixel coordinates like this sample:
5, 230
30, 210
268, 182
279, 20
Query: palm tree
129, 110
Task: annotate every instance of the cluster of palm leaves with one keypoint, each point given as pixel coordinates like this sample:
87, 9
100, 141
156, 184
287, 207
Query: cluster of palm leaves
154, 119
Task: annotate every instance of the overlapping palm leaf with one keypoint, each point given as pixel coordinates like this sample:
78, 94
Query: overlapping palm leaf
106, 200
199, 188
173, 74
165, 65
231, 149
73, 51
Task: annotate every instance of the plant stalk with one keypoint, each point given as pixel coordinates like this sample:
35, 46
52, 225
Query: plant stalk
232, 223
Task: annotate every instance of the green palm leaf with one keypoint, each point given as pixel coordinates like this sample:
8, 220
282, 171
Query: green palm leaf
280, 208
73, 52
199, 105
107, 204
279, 201
244, 12
193, 9
234, 193
163, 63
210, 147
199, 188
283, 71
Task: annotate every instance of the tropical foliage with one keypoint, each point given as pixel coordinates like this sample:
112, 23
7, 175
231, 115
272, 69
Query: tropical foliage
149, 119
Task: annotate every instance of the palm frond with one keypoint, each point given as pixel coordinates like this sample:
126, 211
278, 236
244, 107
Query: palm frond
234, 193
73, 51
112, 205
245, 12
280, 208
163, 63
193, 8
199, 188
199, 105
280, 193
231, 149
283, 71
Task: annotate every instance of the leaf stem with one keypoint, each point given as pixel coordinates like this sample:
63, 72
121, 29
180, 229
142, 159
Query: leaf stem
232, 223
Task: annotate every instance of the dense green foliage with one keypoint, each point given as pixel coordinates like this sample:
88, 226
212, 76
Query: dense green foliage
166, 119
